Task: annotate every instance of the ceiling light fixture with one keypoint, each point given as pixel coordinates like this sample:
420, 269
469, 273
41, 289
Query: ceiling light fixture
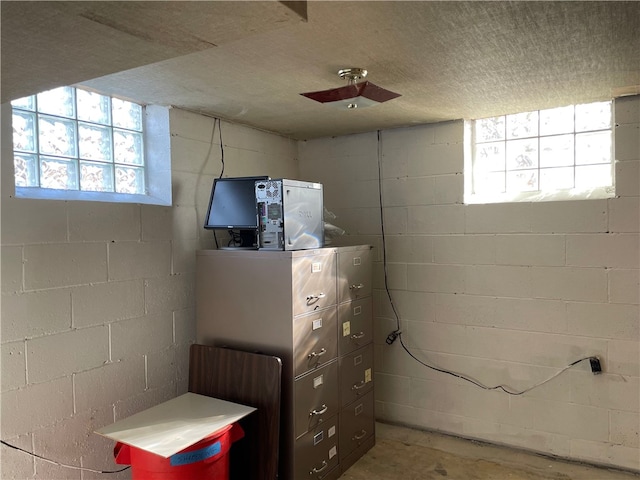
353, 95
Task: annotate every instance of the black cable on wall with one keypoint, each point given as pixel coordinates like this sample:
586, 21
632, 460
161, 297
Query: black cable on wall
596, 367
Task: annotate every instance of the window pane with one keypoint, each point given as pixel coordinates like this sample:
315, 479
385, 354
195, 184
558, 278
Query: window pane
94, 142
126, 114
130, 180
26, 170
26, 103
58, 173
593, 116
556, 151
556, 178
127, 147
593, 148
65, 139
93, 107
57, 136
556, 120
489, 182
58, 101
489, 157
96, 177
522, 125
522, 154
522, 181
490, 129
565, 148
593, 176
24, 137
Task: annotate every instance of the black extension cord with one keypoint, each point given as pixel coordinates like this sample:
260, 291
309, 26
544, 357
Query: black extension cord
74, 467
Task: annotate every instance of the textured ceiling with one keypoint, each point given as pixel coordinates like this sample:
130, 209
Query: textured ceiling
48, 44
449, 60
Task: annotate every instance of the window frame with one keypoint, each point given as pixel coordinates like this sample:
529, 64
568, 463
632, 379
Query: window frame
157, 166
470, 197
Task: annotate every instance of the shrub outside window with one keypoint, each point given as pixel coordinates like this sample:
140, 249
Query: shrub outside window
558, 153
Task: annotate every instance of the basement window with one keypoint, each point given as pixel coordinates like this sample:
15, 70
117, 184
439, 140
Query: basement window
74, 144
555, 154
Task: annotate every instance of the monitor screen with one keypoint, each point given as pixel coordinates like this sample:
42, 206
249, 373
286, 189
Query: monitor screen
233, 203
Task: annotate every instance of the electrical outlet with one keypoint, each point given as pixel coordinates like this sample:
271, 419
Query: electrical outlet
596, 368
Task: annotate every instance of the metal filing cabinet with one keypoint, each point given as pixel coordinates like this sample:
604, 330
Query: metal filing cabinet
355, 354
311, 308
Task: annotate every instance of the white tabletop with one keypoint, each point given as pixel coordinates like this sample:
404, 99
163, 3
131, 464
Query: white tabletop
176, 424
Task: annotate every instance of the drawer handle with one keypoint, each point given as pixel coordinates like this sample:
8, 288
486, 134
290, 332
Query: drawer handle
317, 354
360, 435
315, 297
356, 287
357, 336
358, 386
321, 469
322, 410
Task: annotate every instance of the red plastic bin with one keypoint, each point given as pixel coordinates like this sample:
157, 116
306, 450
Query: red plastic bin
207, 459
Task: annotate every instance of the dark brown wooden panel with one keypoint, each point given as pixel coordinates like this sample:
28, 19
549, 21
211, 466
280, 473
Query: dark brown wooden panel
249, 379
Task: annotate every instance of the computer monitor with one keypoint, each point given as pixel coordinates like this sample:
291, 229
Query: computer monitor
232, 206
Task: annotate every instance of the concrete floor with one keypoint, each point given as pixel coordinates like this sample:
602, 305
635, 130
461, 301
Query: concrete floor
406, 454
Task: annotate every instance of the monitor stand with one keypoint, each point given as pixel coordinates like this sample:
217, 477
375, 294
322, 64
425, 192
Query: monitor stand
242, 240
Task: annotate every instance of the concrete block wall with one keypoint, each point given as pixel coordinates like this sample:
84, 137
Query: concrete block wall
504, 293
98, 299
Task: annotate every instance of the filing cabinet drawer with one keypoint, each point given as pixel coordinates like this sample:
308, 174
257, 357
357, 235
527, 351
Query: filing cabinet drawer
357, 424
314, 282
355, 325
356, 374
334, 474
354, 274
314, 340
316, 453
353, 457
316, 398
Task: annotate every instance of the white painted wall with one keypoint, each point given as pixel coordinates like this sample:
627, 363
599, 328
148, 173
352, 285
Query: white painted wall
98, 299
505, 293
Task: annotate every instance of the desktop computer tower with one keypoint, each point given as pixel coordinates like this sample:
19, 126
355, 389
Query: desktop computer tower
290, 215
